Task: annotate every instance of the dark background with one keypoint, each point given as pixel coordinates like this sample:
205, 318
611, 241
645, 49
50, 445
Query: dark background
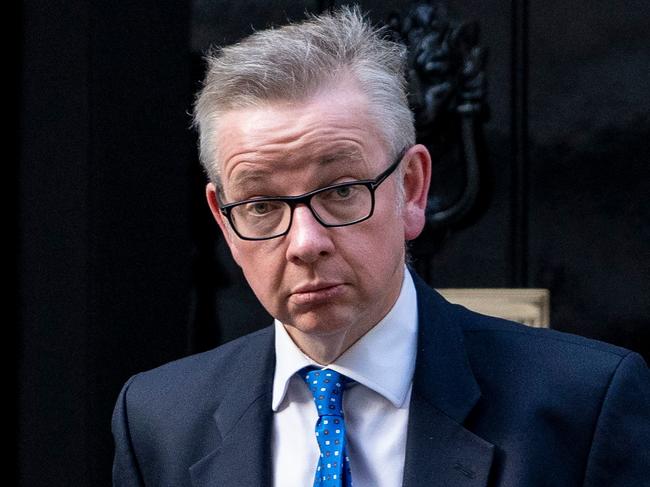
119, 269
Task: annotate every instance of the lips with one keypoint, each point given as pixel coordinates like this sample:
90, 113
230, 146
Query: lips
317, 293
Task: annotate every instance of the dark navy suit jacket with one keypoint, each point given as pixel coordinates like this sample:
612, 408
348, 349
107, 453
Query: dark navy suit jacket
493, 404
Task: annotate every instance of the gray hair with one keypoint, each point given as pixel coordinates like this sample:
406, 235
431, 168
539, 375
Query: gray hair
291, 63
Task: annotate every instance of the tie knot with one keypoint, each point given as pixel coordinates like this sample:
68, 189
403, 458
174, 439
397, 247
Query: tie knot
327, 388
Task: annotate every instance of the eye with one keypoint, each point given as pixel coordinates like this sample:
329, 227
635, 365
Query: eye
261, 208
343, 192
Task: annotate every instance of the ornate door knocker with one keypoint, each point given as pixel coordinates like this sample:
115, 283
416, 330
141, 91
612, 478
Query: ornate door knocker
447, 89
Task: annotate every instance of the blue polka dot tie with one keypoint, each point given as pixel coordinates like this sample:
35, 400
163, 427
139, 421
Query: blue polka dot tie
327, 386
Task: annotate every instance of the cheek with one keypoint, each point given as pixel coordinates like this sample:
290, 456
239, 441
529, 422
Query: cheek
388, 234
379, 252
262, 268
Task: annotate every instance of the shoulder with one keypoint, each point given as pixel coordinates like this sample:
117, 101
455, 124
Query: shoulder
164, 418
543, 391
502, 352
510, 358
508, 335
490, 339
536, 346
186, 380
587, 399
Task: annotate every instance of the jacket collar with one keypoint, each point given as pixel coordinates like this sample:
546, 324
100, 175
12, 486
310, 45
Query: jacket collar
442, 375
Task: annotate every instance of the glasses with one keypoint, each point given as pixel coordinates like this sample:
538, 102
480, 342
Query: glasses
337, 205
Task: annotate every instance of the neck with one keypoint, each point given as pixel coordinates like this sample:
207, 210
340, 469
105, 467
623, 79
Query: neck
325, 349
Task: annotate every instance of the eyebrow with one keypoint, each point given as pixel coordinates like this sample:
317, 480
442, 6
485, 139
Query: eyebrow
350, 155
248, 179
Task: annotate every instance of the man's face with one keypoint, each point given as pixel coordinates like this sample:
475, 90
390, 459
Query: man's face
319, 280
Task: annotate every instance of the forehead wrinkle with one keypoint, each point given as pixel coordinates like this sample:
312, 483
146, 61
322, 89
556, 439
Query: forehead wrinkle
272, 131
286, 131
253, 172
316, 144
276, 156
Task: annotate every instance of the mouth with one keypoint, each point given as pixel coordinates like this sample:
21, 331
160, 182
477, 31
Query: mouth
316, 293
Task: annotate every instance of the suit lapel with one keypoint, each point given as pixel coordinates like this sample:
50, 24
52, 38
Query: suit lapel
439, 450
244, 420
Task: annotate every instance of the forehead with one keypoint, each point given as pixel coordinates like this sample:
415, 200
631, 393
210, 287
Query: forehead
283, 138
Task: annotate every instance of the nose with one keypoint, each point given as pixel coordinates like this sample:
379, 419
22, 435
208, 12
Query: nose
308, 239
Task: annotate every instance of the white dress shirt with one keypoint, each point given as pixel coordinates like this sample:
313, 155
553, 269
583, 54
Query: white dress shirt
375, 407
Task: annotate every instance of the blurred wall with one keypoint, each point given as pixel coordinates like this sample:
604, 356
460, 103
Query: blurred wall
104, 237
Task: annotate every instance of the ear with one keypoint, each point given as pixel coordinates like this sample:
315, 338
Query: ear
417, 176
229, 235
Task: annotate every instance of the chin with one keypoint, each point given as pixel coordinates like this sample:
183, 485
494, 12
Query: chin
319, 326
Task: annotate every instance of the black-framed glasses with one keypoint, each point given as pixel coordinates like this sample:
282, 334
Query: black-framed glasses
337, 205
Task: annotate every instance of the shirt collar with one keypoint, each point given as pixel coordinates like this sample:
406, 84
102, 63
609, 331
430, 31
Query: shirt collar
382, 360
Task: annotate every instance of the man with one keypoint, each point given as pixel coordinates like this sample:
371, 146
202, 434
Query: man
367, 375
